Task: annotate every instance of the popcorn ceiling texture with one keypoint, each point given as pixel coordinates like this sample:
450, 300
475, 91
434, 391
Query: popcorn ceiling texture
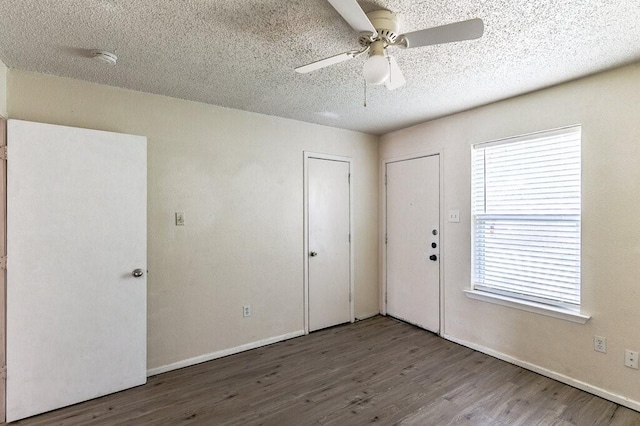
242, 53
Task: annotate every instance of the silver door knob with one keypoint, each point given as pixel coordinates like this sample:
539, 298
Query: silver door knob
313, 254
137, 273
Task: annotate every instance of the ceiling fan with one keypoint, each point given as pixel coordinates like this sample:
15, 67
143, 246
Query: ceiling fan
380, 30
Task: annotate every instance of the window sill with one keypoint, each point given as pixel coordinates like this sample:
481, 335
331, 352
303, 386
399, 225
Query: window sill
536, 308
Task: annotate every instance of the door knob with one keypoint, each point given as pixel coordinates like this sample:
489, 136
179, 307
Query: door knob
313, 254
137, 273
433, 257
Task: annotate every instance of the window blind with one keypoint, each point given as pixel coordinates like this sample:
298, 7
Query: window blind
526, 206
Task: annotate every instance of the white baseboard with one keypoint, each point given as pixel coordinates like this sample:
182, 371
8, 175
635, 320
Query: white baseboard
618, 399
225, 352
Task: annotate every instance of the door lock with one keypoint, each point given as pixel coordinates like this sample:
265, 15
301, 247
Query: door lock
313, 254
433, 257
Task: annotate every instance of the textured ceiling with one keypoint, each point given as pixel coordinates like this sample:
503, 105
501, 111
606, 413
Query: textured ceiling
242, 53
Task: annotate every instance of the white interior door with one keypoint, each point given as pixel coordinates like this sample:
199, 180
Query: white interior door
413, 243
329, 246
76, 229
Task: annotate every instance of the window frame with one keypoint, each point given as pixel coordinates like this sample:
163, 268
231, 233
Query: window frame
531, 303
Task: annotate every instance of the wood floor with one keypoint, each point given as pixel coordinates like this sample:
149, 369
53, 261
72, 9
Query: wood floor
378, 371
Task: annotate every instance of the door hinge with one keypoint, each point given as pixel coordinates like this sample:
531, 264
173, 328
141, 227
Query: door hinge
3, 152
349, 237
3, 262
385, 178
349, 297
385, 238
349, 178
3, 372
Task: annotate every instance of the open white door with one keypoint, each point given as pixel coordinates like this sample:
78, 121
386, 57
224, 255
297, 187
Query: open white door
76, 230
413, 241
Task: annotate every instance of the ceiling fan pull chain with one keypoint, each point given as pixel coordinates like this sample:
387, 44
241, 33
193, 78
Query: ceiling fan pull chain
365, 92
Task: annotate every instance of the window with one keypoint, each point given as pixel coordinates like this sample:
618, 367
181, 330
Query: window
526, 211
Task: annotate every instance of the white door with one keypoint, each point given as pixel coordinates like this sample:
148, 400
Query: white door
76, 230
412, 235
329, 246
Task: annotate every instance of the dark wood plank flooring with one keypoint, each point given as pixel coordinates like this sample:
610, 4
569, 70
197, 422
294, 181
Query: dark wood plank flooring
377, 371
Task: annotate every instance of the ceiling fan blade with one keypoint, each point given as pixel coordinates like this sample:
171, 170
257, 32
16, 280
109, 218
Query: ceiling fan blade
458, 31
351, 11
327, 61
396, 79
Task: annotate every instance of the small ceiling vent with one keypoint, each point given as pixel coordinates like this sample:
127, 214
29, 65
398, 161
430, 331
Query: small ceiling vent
104, 57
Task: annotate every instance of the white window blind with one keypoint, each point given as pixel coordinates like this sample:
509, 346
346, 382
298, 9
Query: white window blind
526, 209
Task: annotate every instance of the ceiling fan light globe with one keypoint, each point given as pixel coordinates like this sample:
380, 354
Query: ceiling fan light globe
376, 69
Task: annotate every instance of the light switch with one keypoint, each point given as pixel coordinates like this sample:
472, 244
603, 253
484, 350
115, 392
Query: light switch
454, 216
179, 219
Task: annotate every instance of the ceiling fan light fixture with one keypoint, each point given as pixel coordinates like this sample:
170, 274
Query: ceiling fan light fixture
376, 69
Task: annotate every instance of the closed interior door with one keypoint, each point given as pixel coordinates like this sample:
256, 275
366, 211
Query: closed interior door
329, 246
413, 243
76, 230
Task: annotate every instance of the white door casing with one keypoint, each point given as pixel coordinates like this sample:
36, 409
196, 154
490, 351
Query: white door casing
413, 241
76, 229
328, 247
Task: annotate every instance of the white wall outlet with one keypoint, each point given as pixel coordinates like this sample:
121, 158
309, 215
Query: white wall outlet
179, 219
600, 344
631, 359
454, 216
246, 311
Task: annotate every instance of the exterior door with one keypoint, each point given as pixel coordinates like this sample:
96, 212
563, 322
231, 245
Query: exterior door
76, 231
329, 256
413, 243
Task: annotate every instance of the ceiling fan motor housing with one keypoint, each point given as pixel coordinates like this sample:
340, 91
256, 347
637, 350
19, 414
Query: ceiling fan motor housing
386, 23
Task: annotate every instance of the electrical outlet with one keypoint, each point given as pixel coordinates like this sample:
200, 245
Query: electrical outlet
600, 344
246, 311
631, 359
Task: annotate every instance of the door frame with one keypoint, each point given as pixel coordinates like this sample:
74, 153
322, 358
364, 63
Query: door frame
383, 218
3, 273
327, 157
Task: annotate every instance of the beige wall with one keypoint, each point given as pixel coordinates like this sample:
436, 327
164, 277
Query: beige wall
238, 177
608, 107
3, 90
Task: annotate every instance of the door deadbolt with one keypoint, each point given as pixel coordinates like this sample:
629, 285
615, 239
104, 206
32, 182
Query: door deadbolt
433, 257
313, 254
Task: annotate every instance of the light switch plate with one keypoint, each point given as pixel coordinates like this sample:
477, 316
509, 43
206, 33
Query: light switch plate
454, 216
179, 219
